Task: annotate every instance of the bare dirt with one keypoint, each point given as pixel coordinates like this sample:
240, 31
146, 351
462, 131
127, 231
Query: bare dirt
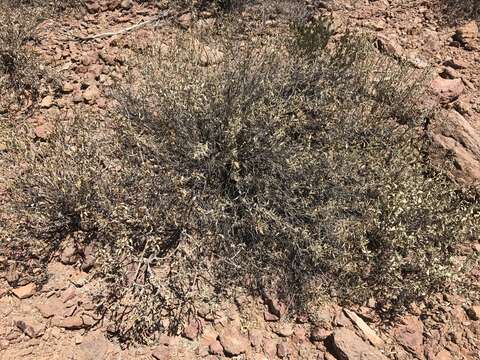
58, 321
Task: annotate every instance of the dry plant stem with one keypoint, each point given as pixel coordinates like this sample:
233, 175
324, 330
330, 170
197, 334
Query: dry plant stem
128, 29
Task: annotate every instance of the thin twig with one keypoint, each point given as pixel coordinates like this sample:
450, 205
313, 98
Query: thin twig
127, 29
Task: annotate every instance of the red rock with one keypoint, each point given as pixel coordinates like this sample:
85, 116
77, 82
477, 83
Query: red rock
25, 291
284, 330
410, 334
456, 64
447, 90
68, 294
302, 318
92, 7
328, 356
107, 58
473, 312
450, 73
283, 350
67, 88
126, 4
346, 345
3, 291
192, 330
47, 102
94, 346
268, 316
256, 337
216, 348
367, 331
233, 342
70, 323
77, 97
30, 329
43, 131
68, 255
476, 247
101, 102
165, 340
456, 134
88, 59
91, 94
342, 320
12, 275
88, 320
299, 335
389, 46
258, 356
443, 355
89, 258
467, 35
270, 348
275, 306
185, 20
202, 351
50, 307
319, 334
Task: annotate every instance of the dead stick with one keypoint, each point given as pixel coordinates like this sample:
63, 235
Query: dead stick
125, 30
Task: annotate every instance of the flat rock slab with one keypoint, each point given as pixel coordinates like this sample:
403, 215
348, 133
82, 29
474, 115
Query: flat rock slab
25, 291
346, 345
233, 342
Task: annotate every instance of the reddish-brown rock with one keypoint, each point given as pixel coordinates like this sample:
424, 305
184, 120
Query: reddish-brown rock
233, 342
70, 323
275, 306
319, 334
456, 134
192, 330
283, 329
68, 255
467, 35
256, 337
283, 350
347, 345
216, 348
410, 334
50, 307
32, 330
443, 355
447, 90
473, 312
268, 316
43, 131
25, 291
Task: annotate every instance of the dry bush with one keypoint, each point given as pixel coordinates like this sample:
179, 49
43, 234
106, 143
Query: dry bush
454, 12
21, 72
300, 171
218, 5
265, 9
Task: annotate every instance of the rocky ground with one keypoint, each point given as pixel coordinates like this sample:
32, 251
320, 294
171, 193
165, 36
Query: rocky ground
58, 321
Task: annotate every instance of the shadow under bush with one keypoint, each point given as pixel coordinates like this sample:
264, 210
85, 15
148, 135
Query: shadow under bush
300, 172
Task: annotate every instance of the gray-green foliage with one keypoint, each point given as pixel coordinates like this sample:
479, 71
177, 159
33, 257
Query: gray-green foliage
273, 168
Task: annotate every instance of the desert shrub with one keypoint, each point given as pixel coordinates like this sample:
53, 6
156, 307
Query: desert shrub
455, 12
300, 169
21, 72
219, 5
266, 8
274, 168
18, 71
310, 37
